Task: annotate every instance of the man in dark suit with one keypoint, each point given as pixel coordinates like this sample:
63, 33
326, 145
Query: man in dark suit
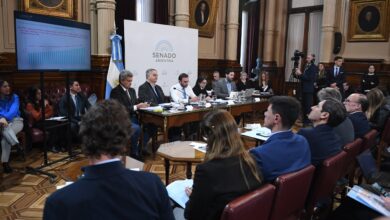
356, 105
284, 151
336, 75
108, 190
308, 78
323, 141
150, 92
126, 96
79, 104
224, 87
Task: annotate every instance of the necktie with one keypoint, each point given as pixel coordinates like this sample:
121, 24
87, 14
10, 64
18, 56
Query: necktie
128, 94
184, 93
77, 106
336, 72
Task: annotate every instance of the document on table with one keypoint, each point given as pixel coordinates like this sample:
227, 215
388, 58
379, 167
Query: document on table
199, 146
59, 118
176, 191
259, 134
368, 199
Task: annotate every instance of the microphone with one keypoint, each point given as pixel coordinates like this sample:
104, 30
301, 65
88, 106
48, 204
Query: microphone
182, 92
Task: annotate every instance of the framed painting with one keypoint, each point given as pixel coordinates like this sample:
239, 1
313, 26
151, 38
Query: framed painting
368, 20
58, 8
203, 14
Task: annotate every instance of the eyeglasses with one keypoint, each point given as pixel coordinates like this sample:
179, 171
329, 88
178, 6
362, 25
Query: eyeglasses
349, 101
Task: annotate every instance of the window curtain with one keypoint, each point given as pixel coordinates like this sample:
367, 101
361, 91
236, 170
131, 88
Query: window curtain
125, 9
161, 11
314, 34
296, 26
145, 11
252, 36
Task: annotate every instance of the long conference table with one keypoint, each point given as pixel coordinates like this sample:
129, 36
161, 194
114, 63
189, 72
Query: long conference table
166, 119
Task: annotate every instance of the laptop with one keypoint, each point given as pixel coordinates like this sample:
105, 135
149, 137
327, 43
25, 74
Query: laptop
249, 92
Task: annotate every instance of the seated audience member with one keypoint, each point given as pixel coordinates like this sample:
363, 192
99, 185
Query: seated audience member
369, 80
108, 190
243, 83
356, 104
223, 87
33, 107
323, 141
284, 151
378, 110
264, 84
345, 129
226, 161
182, 92
10, 123
126, 96
348, 89
201, 87
149, 91
79, 104
216, 78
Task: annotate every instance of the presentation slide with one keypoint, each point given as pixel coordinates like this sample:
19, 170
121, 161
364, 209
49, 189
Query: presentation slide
168, 49
45, 46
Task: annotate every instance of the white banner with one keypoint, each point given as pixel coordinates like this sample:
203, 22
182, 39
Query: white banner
169, 49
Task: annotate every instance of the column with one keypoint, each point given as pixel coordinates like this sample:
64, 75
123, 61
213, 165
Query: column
93, 22
269, 31
232, 29
182, 13
105, 22
328, 29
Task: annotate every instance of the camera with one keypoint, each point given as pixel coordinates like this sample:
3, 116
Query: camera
297, 56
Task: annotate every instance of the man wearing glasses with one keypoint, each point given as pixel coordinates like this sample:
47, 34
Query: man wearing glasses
356, 104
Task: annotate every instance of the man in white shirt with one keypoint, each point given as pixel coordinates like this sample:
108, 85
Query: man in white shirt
181, 92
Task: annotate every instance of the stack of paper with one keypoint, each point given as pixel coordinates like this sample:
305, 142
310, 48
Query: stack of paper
176, 191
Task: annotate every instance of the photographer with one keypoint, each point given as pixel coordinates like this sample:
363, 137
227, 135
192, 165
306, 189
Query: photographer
308, 78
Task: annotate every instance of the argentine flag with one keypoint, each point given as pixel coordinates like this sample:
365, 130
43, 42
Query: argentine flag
116, 64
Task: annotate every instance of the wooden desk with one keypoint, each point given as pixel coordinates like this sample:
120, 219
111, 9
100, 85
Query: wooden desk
166, 120
179, 151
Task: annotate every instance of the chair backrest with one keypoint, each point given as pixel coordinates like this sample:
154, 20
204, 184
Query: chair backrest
352, 149
291, 193
325, 180
369, 140
255, 205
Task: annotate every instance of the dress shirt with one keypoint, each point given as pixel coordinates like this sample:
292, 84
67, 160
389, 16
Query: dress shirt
177, 93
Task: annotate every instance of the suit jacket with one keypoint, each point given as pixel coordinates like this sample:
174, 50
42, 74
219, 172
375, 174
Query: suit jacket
308, 78
241, 86
345, 131
283, 152
147, 94
221, 90
110, 191
323, 142
211, 193
63, 106
360, 123
339, 79
119, 94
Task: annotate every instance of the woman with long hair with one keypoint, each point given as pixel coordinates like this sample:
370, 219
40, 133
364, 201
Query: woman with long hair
226, 160
243, 83
321, 81
378, 110
201, 86
34, 109
10, 122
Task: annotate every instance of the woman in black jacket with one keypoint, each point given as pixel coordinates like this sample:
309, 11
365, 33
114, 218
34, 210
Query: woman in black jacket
226, 161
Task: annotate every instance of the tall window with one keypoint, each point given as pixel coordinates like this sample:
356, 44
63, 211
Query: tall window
145, 11
304, 30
